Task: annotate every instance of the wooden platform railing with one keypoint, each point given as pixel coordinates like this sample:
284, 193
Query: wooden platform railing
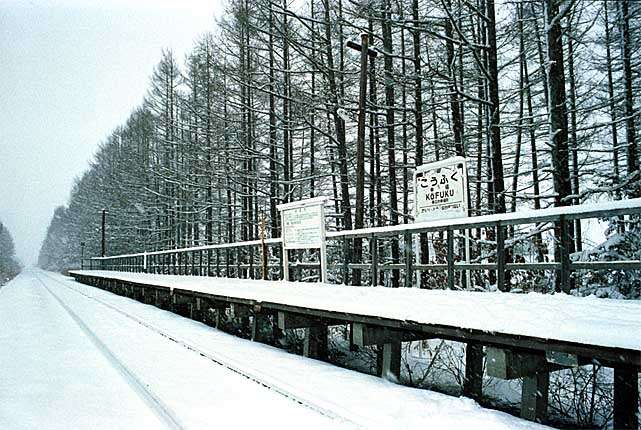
490, 249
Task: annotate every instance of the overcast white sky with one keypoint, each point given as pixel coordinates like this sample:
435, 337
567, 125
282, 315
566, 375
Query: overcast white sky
70, 72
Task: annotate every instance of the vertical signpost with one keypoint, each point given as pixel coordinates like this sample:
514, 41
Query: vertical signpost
144, 263
303, 227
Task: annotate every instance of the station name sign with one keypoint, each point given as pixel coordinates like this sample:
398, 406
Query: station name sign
440, 190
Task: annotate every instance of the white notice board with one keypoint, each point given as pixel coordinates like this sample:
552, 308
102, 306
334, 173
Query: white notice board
303, 227
440, 190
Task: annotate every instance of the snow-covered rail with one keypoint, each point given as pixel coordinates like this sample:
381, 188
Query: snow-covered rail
152, 400
332, 411
74, 356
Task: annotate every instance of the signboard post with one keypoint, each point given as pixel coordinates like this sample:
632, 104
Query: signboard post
144, 262
440, 190
303, 227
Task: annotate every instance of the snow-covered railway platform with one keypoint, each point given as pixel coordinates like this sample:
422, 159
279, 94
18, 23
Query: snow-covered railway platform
72, 356
523, 336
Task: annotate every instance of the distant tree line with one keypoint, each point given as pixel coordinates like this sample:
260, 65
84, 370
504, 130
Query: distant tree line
9, 266
538, 95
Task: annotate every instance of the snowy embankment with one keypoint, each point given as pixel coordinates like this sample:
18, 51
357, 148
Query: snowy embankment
586, 320
76, 356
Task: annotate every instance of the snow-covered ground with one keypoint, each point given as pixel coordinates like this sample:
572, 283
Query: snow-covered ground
588, 320
73, 356
67, 361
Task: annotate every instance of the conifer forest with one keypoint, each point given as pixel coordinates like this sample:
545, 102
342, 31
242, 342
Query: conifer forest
540, 97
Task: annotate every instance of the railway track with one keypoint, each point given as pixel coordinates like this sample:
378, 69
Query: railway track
301, 397
151, 399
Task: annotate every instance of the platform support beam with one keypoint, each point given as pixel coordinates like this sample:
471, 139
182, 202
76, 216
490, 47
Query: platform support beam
473, 385
364, 335
218, 310
240, 313
164, 300
193, 308
288, 321
260, 326
534, 396
315, 342
535, 371
626, 397
198, 309
219, 318
391, 361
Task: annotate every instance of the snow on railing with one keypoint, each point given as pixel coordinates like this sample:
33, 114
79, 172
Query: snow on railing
193, 260
595, 210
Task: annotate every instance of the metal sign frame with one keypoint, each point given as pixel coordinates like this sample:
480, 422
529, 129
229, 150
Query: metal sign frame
438, 215
283, 208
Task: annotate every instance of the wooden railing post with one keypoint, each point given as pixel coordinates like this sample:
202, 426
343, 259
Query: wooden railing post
238, 258
217, 263
252, 275
409, 260
450, 258
227, 262
346, 260
564, 252
281, 261
500, 256
175, 263
373, 247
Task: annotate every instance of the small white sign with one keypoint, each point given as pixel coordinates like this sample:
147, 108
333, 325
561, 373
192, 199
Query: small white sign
440, 190
302, 227
303, 223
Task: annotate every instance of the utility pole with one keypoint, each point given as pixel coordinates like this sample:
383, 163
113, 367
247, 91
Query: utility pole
360, 148
360, 137
104, 216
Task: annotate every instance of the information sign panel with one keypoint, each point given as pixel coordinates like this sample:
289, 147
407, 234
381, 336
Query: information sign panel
440, 190
302, 227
